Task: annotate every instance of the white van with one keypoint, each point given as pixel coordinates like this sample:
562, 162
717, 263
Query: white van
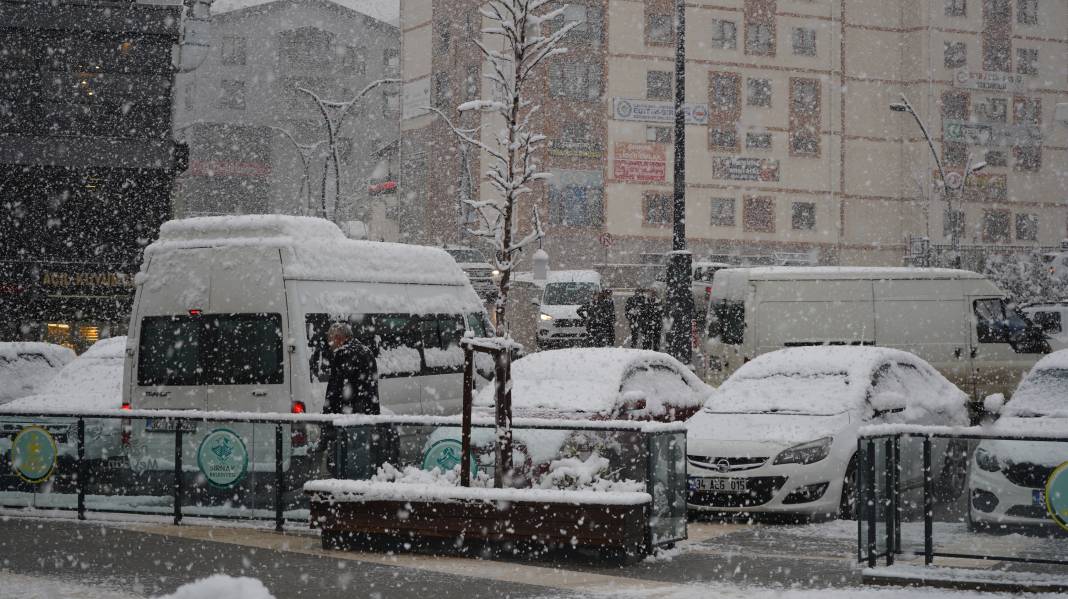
956, 320
231, 313
565, 291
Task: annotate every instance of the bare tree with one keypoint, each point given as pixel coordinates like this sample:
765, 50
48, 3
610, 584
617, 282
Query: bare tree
516, 27
334, 113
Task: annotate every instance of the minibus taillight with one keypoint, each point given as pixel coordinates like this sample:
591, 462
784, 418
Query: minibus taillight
127, 427
298, 437
298, 407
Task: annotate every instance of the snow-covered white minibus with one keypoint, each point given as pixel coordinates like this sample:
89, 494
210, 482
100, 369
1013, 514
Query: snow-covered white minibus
231, 314
956, 320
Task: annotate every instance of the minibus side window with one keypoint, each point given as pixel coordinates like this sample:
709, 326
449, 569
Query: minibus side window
399, 342
727, 322
441, 343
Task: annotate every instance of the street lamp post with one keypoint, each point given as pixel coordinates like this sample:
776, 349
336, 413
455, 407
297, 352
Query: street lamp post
304, 151
679, 294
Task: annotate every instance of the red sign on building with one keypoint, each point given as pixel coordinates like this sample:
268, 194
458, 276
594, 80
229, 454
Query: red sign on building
640, 162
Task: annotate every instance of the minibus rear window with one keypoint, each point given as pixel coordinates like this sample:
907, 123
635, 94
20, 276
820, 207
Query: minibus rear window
211, 349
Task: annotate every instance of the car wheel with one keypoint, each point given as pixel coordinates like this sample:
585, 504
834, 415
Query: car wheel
847, 505
954, 475
975, 525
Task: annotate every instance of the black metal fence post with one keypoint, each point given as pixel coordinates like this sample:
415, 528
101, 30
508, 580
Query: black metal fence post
870, 502
279, 479
897, 494
178, 473
928, 505
82, 469
891, 500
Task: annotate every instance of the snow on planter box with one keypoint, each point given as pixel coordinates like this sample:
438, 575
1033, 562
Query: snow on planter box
376, 510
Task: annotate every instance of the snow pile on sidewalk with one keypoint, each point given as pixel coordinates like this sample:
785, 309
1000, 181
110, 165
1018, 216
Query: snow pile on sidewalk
573, 473
221, 586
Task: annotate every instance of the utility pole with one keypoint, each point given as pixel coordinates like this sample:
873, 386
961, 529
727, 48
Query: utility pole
679, 301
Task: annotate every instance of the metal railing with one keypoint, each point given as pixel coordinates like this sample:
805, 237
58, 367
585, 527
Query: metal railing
882, 454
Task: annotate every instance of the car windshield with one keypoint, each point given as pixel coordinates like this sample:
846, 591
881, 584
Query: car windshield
811, 394
466, 256
568, 294
1042, 393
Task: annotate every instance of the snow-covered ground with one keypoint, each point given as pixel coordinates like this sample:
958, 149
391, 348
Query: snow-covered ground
33, 587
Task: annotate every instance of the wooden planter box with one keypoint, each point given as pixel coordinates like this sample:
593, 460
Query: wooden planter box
547, 519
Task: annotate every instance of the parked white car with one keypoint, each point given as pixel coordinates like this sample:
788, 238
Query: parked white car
27, 366
780, 435
559, 324
1007, 479
93, 381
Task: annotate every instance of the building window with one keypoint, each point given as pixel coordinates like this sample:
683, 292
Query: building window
954, 153
660, 135
720, 138
804, 41
803, 216
956, 8
955, 55
995, 158
1026, 227
758, 141
1027, 12
952, 220
391, 103
233, 50
354, 59
391, 60
759, 39
575, 80
758, 215
658, 85
1028, 158
1027, 61
1027, 111
996, 226
725, 92
576, 198
656, 208
993, 110
444, 38
190, 94
441, 92
471, 82
659, 29
806, 96
724, 35
589, 23
233, 95
576, 133
722, 212
759, 92
955, 106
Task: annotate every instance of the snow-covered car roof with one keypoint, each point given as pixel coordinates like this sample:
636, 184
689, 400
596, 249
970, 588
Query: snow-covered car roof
318, 249
853, 272
10, 350
1044, 391
93, 381
573, 276
584, 380
825, 380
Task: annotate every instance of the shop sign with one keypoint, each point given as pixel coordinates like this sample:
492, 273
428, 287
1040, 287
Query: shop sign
575, 149
223, 458
980, 186
992, 134
745, 169
81, 283
651, 111
993, 81
640, 162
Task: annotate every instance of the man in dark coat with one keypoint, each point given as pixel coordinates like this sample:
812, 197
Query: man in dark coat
353, 384
652, 321
599, 317
633, 309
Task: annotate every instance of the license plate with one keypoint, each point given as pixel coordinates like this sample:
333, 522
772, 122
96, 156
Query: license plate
721, 485
1038, 497
167, 425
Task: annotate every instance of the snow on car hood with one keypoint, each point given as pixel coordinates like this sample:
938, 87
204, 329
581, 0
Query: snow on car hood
560, 311
1043, 453
777, 429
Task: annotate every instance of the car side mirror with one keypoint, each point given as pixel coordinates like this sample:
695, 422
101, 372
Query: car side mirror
994, 403
535, 302
634, 401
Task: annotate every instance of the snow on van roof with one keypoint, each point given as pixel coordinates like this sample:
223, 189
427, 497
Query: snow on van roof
574, 276
112, 347
852, 272
318, 249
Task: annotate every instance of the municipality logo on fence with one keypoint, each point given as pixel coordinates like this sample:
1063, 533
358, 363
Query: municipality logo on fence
223, 458
1057, 495
33, 454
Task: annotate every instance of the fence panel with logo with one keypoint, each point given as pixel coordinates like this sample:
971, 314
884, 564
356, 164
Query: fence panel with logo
221, 465
963, 498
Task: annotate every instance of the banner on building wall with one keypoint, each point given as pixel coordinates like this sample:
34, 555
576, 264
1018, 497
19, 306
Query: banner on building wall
639, 162
982, 187
992, 134
651, 111
575, 149
737, 168
992, 81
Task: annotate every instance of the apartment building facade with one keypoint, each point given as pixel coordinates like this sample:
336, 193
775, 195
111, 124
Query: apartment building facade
793, 154
259, 144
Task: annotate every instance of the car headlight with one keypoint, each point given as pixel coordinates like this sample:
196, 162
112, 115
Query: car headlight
806, 453
546, 317
986, 460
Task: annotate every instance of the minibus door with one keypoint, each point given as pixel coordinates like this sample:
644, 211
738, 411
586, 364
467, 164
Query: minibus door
999, 352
